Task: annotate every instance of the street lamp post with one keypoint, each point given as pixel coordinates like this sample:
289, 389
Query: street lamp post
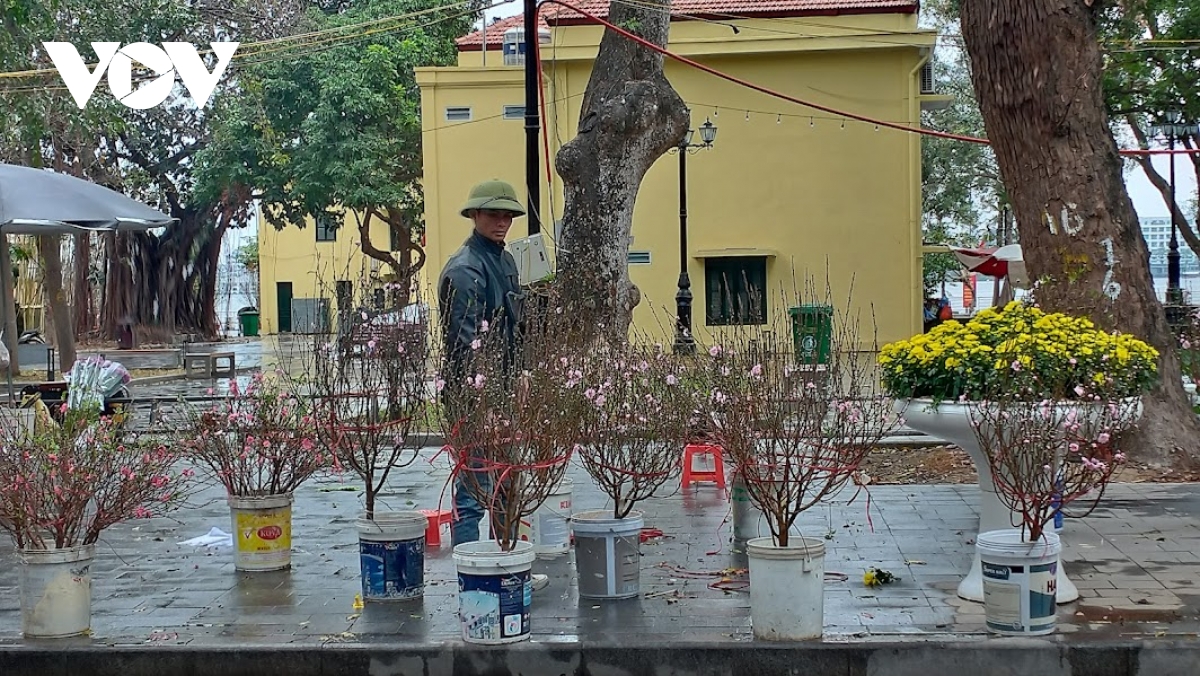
1172, 126
685, 343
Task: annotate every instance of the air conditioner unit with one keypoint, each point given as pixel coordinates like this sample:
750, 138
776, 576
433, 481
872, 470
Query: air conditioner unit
927, 79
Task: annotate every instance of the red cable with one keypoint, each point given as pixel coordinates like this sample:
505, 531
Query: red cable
770, 92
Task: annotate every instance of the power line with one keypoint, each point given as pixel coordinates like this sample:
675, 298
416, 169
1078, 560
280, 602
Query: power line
333, 34
309, 48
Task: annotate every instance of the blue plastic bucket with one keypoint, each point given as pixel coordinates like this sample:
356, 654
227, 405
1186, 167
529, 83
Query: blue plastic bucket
391, 554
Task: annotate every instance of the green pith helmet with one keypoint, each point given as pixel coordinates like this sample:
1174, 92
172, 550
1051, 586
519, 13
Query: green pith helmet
494, 194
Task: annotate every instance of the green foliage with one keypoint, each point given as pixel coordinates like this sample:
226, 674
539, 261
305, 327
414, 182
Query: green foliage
961, 188
246, 255
337, 126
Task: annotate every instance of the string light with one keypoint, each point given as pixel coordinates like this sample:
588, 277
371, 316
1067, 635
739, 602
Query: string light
779, 118
810, 122
747, 116
843, 123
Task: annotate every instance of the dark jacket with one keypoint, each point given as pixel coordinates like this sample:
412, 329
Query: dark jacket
480, 282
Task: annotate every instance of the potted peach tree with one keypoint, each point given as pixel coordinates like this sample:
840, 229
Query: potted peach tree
61, 486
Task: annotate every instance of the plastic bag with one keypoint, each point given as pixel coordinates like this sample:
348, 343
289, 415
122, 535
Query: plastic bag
93, 380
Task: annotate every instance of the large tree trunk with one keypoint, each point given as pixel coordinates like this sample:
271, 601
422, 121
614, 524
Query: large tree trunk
8, 297
630, 117
82, 281
60, 310
1036, 68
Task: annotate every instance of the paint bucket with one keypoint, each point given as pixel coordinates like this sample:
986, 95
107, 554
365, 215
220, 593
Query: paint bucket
747, 517
391, 555
787, 588
1019, 582
262, 531
494, 591
550, 525
56, 591
608, 554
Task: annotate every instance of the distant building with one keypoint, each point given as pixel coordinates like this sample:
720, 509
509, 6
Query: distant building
1157, 231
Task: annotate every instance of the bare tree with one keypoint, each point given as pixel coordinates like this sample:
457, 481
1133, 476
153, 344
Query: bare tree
1036, 67
630, 117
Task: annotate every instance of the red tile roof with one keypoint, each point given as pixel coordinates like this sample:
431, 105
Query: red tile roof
707, 9
473, 42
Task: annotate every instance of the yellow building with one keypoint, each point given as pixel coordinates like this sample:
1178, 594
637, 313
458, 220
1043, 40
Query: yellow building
785, 191
307, 275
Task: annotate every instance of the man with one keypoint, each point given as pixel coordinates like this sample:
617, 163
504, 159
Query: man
479, 283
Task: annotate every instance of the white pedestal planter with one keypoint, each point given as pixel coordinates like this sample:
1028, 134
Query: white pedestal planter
787, 588
952, 421
56, 591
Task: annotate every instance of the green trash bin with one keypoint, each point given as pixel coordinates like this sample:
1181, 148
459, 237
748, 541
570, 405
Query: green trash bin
249, 319
812, 333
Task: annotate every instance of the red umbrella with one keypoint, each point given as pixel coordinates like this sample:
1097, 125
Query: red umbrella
991, 261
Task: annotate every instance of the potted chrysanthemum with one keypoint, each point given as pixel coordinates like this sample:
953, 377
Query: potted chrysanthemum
941, 377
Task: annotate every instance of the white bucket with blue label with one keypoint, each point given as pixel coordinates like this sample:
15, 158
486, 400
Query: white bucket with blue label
391, 555
495, 591
1019, 582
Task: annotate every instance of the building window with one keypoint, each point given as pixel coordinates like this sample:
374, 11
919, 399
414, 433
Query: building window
458, 114
639, 258
735, 290
514, 112
327, 227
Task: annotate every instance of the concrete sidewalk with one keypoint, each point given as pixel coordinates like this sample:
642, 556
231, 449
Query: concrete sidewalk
165, 609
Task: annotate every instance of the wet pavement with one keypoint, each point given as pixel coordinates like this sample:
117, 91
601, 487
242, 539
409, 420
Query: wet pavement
1134, 561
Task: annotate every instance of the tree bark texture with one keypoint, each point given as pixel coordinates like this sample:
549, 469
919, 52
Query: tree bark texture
82, 283
60, 309
8, 297
1036, 68
630, 117
164, 284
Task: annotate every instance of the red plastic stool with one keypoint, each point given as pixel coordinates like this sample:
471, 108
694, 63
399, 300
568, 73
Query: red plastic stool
437, 519
690, 453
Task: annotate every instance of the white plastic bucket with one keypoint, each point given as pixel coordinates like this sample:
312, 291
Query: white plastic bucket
262, 532
550, 524
391, 555
608, 554
787, 588
1019, 582
16, 422
56, 591
495, 591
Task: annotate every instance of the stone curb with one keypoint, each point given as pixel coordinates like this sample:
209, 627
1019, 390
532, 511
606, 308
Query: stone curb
983, 657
